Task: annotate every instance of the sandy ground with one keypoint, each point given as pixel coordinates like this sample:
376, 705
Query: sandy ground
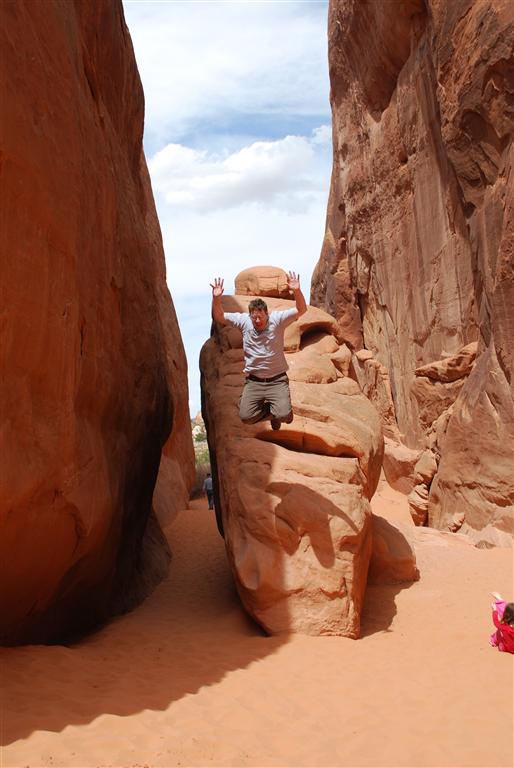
188, 680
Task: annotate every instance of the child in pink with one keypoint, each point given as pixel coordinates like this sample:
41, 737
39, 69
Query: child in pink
503, 619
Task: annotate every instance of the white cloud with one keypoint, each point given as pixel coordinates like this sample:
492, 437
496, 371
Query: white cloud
199, 246
322, 135
286, 174
227, 61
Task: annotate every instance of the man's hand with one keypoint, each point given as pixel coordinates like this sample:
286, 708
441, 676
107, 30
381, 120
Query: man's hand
293, 281
217, 288
217, 310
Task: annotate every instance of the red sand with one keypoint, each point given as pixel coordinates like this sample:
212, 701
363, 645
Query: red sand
188, 680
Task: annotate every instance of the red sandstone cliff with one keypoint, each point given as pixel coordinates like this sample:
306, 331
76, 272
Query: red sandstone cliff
417, 260
93, 369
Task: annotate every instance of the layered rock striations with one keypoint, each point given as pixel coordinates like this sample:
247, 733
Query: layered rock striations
294, 504
417, 260
93, 369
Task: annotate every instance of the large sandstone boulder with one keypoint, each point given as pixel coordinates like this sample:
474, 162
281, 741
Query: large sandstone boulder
294, 504
262, 281
93, 368
417, 260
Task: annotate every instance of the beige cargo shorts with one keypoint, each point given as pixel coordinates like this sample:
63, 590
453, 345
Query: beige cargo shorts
262, 398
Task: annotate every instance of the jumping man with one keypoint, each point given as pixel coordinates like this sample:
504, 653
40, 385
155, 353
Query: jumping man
266, 390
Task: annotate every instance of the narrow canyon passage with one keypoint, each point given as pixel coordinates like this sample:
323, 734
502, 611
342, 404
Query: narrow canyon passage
186, 679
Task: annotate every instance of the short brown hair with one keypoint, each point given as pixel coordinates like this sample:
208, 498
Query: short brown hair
257, 304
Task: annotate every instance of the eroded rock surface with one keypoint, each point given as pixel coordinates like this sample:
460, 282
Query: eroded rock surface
417, 261
294, 503
93, 369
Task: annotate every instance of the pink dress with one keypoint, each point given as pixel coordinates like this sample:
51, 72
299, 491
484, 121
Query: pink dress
504, 635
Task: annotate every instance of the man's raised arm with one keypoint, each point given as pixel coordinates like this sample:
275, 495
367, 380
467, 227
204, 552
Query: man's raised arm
217, 310
293, 282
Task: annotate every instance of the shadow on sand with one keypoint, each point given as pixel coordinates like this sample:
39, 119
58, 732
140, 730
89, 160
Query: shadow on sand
190, 633
379, 607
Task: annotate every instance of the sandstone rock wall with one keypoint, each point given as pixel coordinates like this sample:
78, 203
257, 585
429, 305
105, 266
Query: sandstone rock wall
417, 260
93, 370
294, 504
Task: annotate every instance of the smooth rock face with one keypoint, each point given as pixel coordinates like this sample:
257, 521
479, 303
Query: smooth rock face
417, 261
294, 503
93, 369
475, 471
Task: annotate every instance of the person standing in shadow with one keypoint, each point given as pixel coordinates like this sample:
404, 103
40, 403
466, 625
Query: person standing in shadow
207, 486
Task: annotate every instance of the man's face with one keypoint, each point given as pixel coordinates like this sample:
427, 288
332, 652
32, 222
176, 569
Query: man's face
259, 318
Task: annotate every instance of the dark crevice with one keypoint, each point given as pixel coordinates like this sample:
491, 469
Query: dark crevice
287, 443
82, 336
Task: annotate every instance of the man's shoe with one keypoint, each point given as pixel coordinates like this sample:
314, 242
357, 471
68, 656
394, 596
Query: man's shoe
275, 423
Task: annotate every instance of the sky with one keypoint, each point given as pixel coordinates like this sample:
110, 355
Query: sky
237, 140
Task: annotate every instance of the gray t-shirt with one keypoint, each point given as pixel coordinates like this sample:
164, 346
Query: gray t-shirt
264, 350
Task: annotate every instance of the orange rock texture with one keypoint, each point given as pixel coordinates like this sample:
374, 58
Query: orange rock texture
294, 504
93, 369
417, 260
